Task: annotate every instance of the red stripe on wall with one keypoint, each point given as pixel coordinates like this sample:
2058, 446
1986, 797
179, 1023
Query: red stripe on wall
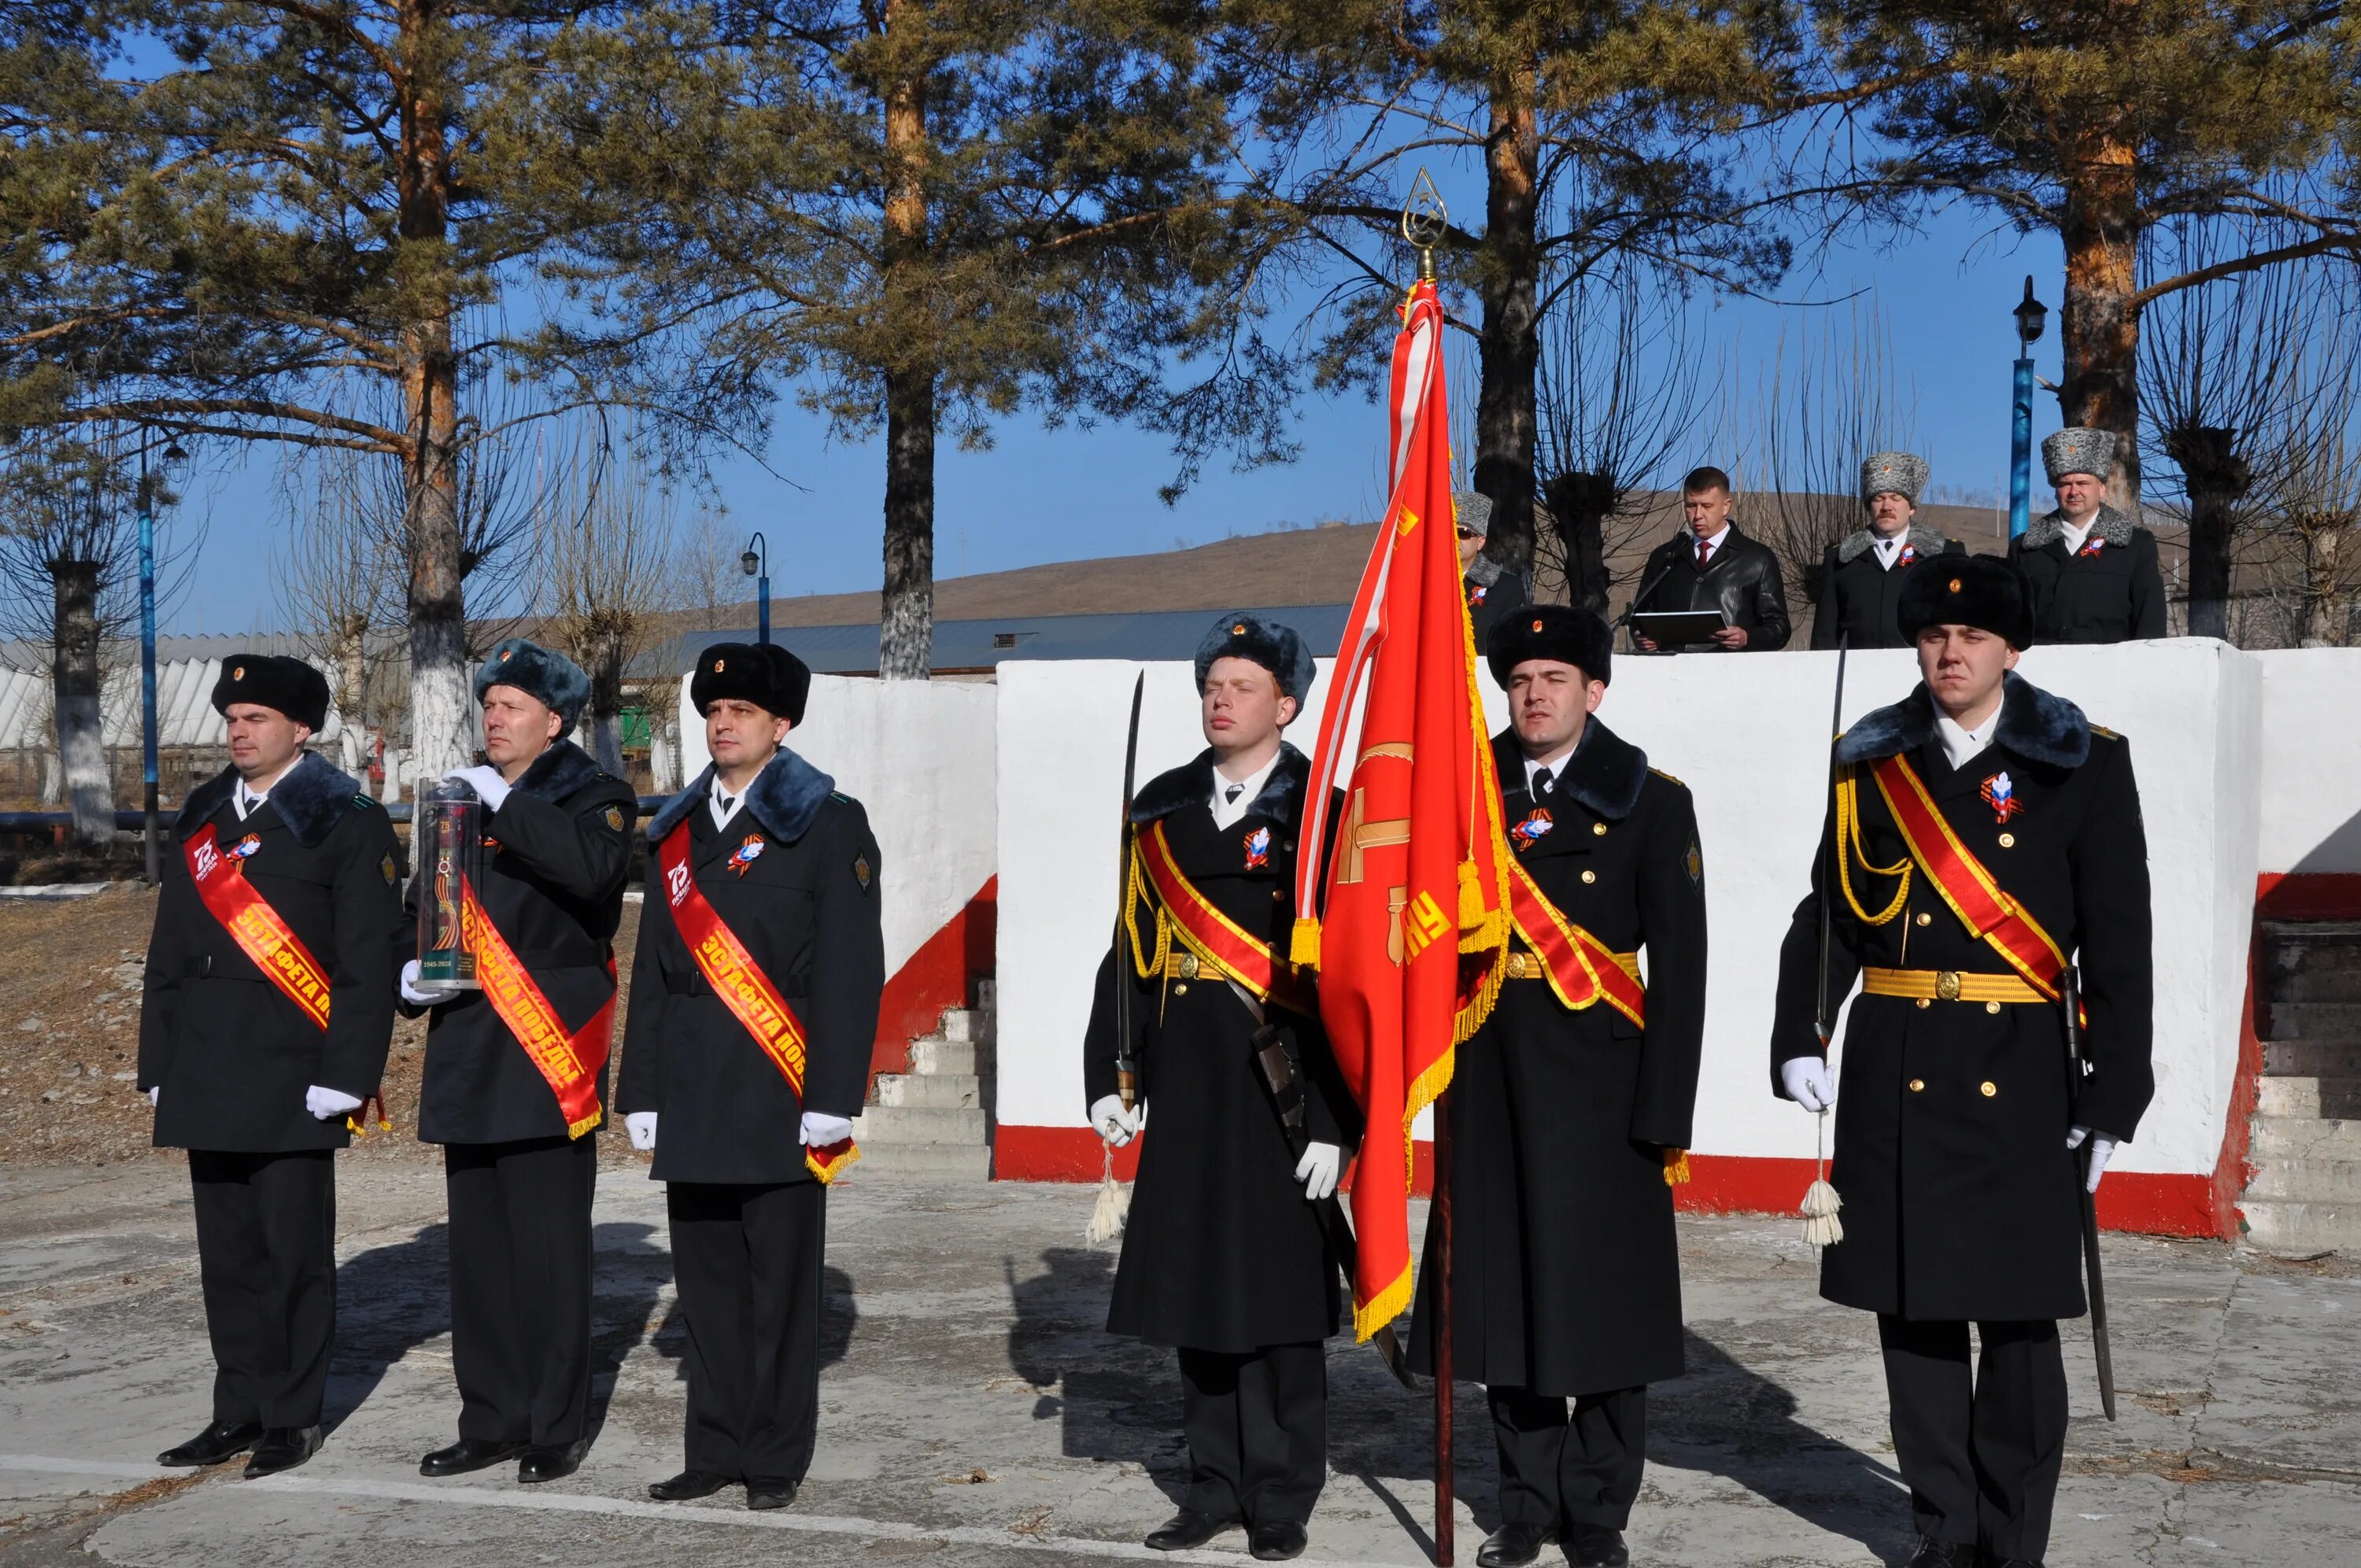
941, 974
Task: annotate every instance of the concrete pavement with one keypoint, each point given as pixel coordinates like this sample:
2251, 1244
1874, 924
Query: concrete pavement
972, 1411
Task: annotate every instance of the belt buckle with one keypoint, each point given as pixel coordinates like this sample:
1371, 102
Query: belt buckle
1515, 966
1187, 966
1947, 985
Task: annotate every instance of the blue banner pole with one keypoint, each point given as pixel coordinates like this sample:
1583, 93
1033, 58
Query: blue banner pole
2020, 452
147, 666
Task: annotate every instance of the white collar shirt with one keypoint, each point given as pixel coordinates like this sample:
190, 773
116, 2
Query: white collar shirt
1711, 545
1231, 800
1556, 771
1962, 746
1889, 550
247, 801
2075, 533
725, 807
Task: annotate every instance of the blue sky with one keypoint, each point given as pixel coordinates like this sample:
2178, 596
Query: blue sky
1040, 496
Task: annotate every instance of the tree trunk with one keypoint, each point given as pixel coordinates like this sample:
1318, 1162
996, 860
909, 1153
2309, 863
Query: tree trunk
2218, 478
74, 681
1510, 331
439, 616
605, 709
905, 634
352, 695
2100, 332
1578, 504
2325, 612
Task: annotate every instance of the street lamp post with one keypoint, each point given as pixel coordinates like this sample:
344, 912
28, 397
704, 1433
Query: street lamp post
151, 826
756, 564
2030, 315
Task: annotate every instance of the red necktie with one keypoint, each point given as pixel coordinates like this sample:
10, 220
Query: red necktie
1704, 549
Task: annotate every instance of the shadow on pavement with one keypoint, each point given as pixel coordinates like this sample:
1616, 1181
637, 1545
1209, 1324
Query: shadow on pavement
1116, 1399
390, 1300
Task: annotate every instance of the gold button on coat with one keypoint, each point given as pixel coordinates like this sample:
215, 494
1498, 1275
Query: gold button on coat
2008, 840
1590, 876
1989, 1088
1182, 989
1925, 1001
1598, 830
1917, 1085
1925, 919
1991, 1006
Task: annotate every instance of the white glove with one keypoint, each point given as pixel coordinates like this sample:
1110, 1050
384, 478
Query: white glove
1809, 1083
642, 1126
485, 779
2102, 1149
821, 1129
329, 1103
1318, 1169
154, 1095
1112, 1122
412, 994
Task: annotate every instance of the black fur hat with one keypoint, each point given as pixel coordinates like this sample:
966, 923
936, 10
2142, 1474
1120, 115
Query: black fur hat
1983, 591
761, 672
1557, 631
550, 678
289, 684
1241, 634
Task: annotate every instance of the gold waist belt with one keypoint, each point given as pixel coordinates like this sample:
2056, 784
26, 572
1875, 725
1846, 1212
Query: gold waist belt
1947, 985
1182, 964
1529, 966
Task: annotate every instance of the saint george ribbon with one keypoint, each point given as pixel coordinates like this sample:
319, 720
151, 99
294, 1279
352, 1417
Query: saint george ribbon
568, 1061
1979, 900
744, 989
261, 932
1229, 950
1407, 921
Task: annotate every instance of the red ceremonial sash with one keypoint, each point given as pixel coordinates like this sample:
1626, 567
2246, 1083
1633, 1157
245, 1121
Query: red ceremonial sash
1211, 935
569, 1063
1582, 969
743, 986
1979, 902
255, 927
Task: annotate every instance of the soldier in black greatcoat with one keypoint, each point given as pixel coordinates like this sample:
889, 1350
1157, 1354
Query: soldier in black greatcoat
1568, 1125
254, 1078
1223, 1258
1491, 589
790, 869
1958, 1109
1861, 576
520, 1178
2093, 573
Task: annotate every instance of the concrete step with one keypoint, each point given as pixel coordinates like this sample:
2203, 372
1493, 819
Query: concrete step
2316, 1021
966, 1025
942, 1088
2339, 982
2304, 1139
2309, 1096
2307, 1180
940, 1162
2311, 1058
2279, 1225
921, 1125
930, 1057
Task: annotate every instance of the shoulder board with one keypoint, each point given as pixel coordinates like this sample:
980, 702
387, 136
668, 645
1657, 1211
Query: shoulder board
840, 795
1666, 778
362, 803
2102, 730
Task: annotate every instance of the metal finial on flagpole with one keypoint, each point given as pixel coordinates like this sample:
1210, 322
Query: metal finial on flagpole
1424, 221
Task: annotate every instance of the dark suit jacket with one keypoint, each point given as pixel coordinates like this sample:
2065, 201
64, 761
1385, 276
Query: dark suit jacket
1741, 580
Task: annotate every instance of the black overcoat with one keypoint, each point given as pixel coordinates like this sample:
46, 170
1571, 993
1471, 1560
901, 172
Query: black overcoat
231, 1054
1222, 1251
1856, 598
1959, 1197
1567, 1273
1744, 580
2114, 593
806, 906
557, 853
1488, 602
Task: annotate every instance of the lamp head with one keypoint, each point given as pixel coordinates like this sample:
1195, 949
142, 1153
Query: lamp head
750, 563
2031, 314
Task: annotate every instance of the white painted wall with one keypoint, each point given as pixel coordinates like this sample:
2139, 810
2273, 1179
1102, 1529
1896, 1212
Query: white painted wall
918, 757
1749, 736
2310, 742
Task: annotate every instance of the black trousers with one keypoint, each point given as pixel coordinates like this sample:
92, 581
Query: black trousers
1257, 1431
1982, 1455
266, 1259
521, 1286
1558, 1470
747, 1262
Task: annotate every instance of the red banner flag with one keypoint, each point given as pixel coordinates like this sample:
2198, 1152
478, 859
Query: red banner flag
1413, 928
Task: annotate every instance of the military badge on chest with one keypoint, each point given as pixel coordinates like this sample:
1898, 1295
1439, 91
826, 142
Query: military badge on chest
1535, 826
1910, 554
1258, 850
244, 847
2000, 793
746, 853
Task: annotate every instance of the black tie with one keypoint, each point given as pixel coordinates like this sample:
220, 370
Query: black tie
1543, 783
726, 802
1230, 795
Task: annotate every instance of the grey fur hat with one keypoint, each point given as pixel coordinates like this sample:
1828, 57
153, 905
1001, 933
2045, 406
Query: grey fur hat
1903, 473
2078, 449
547, 676
1241, 634
1474, 509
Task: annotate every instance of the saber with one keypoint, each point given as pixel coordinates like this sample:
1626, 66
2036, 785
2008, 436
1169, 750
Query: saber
1126, 1065
2078, 1067
1282, 1074
1826, 1015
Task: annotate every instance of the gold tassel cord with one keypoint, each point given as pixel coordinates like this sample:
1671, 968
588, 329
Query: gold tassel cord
1850, 844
